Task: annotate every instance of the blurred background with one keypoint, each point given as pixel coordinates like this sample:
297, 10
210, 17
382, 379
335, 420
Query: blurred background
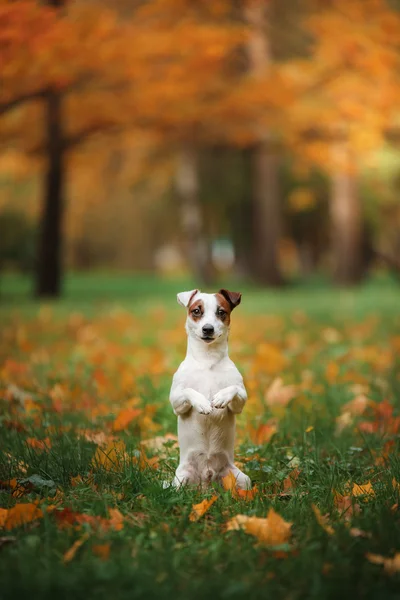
248, 139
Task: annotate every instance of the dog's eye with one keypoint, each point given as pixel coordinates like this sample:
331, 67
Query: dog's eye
221, 313
196, 312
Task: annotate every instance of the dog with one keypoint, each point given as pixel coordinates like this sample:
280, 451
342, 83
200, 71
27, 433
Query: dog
207, 392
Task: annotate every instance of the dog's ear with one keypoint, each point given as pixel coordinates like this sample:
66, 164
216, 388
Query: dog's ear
233, 298
184, 298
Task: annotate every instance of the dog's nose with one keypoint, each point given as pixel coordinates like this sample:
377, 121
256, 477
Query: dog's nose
208, 329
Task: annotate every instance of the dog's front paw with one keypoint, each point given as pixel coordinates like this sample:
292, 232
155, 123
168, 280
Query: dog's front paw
202, 406
223, 397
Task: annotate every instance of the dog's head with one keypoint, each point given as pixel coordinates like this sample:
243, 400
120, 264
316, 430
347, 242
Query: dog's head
208, 315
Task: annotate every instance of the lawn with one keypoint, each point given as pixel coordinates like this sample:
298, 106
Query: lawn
87, 440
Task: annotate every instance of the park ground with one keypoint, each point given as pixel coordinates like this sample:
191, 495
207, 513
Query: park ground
87, 439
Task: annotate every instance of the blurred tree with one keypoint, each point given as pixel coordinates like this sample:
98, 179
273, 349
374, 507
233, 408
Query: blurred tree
265, 206
348, 91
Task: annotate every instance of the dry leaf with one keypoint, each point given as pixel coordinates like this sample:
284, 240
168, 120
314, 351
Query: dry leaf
124, 418
20, 514
39, 444
229, 483
322, 520
198, 510
70, 554
346, 505
355, 532
391, 565
363, 490
272, 530
264, 433
112, 457
279, 394
102, 550
116, 519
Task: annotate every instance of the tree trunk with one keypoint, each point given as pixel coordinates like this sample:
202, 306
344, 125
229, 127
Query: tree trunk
49, 266
266, 213
195, 243
346, 219
266, 216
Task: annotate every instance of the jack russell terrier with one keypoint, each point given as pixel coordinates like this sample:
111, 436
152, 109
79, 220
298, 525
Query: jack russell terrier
207, 392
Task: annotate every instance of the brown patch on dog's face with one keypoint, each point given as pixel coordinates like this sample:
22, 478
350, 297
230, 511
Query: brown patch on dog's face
196, 310
223, 309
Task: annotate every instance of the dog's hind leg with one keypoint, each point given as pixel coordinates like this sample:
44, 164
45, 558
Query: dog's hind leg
243, 481
185, 475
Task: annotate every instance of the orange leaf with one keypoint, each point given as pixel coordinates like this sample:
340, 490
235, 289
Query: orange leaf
363, 490
279, 394
116, 519
391, 565
102, 551
21, 514
3, 516
322, 520
124, 417
264, 433
229, 483
346, 505
198, 510
69, 555
272, 530
39, 444
110, 458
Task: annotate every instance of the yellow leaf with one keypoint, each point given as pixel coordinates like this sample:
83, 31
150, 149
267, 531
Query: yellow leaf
310, 428
279, 394
272, 530
3, 516
363, 490
322, 520
391, 565
69, 555
124, 417
110, 458
229, 482
116, 519
395, 484
21, 514
102, 551
198, 510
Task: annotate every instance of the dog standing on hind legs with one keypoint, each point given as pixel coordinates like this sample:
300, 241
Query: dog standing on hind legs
207, 392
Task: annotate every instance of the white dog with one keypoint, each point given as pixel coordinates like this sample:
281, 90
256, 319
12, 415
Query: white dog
207, 392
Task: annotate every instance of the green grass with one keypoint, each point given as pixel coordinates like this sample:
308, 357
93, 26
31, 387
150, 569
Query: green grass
112, 339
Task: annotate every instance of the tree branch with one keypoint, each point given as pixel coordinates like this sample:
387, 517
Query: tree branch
18, 100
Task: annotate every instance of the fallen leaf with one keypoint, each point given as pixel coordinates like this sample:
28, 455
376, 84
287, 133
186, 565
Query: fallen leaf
144, 462
363, 490
112, 457
20, 514
229, 483
355, 532
116, 519
346, 505
39, 444
102, 550
322, 520
279, 394
272, 530
70, 554
3, 516
124, 418
264, 433
310, 428
391, 565
198, 510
